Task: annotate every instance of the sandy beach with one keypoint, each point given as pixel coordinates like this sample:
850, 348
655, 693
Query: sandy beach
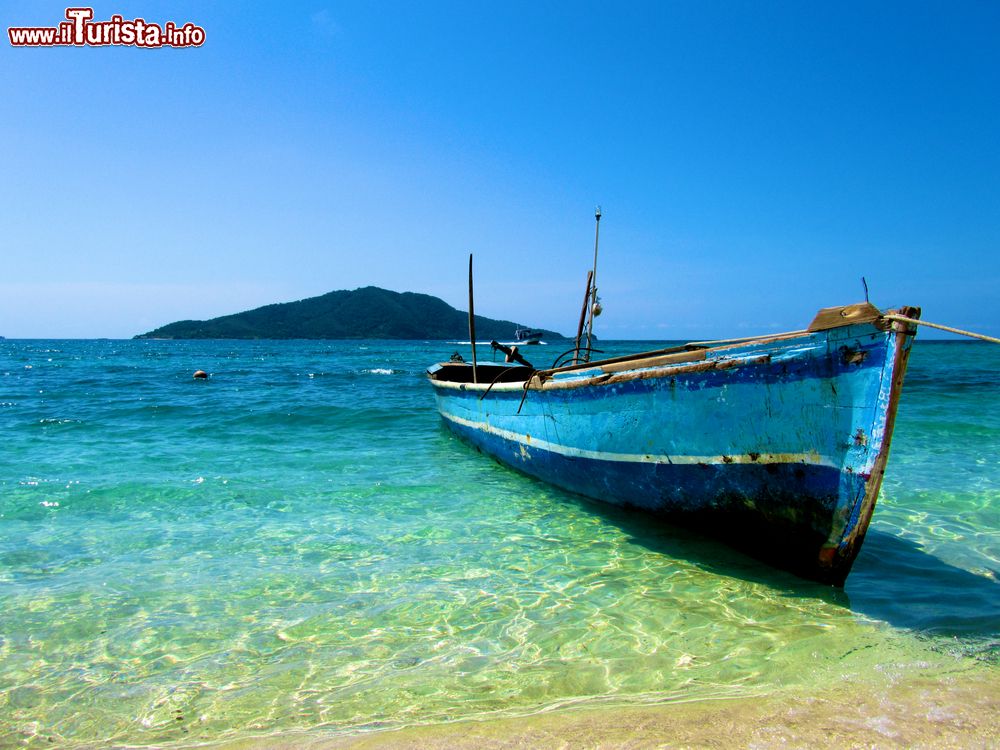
963, 712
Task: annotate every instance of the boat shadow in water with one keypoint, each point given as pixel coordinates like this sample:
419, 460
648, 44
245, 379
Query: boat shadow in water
894, 580
897, 581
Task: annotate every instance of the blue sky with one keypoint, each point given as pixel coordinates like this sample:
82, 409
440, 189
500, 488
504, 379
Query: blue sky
752, 160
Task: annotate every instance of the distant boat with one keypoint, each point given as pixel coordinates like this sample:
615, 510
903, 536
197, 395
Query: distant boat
776, 444
523, 336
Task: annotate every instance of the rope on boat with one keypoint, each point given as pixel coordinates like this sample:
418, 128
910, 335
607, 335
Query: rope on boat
525, 386
497, 380
575, 351
915, 321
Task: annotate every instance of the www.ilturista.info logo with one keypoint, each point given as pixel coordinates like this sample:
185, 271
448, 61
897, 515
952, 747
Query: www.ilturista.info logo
80, 30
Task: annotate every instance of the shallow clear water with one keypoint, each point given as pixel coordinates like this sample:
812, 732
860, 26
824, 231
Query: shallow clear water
299, 543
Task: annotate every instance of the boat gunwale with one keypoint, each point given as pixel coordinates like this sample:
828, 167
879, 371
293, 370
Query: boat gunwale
826, 319
537, 383
613, 369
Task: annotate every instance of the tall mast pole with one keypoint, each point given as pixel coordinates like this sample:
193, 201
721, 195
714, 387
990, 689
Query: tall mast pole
583, 318
472, 324
593, 283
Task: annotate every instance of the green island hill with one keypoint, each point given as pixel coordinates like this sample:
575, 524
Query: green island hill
366, 313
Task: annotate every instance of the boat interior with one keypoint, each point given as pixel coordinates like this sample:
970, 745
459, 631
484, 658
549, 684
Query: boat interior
489, 372
495, 372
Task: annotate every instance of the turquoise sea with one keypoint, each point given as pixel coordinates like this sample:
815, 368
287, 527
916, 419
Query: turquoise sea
298, 545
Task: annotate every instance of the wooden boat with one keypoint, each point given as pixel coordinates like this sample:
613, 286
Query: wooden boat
776, 444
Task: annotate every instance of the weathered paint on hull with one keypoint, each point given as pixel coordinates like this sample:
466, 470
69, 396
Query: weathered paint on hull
777, 445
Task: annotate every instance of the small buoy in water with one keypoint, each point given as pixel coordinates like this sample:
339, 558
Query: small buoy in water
200, 374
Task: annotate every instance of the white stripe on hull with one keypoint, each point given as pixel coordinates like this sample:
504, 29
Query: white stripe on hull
811, 457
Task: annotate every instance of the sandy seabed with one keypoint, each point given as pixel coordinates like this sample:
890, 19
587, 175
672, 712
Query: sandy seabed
961, 712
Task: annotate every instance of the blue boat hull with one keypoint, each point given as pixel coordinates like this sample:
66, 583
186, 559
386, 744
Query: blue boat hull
777, 445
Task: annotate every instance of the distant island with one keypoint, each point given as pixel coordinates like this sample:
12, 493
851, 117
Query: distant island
367, 313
